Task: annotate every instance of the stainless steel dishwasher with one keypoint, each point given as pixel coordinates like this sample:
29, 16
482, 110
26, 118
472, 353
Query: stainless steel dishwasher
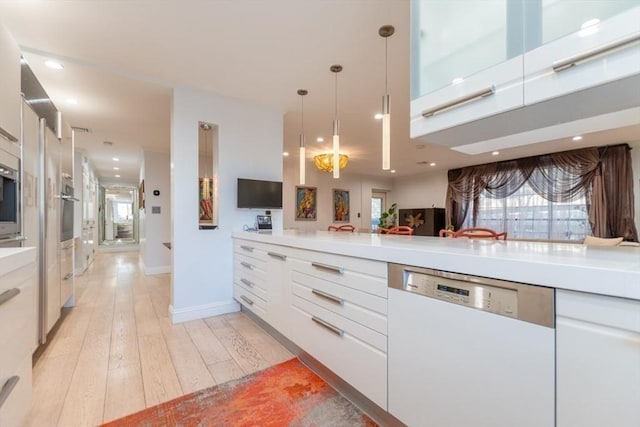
467, 351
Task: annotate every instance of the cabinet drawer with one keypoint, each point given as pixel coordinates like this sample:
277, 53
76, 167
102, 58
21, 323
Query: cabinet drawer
251, 301
349, 356
250, 282
341, 270
17, 404
250, 249
365, 309
16, 316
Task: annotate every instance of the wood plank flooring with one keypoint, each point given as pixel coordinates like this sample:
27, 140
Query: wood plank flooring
117, 352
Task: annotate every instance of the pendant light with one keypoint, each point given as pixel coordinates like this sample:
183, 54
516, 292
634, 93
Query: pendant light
336, 128
386, 31
302, 93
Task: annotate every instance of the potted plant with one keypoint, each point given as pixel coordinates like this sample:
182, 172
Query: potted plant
389, 218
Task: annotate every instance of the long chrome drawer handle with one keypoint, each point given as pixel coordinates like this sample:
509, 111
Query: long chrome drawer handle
338, 270
571, 61
247, 282
474, 96
328, 326
68, 276
246, 248
7, 295
245, 299
327, 296
7, 388
276, 255
246, 264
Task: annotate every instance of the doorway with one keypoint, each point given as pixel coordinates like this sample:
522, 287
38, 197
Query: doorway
378, 205
118, 216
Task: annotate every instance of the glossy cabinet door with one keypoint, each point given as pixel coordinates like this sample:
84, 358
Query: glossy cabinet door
9, 87
466, 61
574, 45
597, 360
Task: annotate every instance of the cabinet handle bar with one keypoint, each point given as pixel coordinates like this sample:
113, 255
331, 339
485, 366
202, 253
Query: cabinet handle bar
571, 61
338, 270
246, 248
7, 388
327, 296
246, 264
474, 96
277, 255
245, 299
247, 282
328, 326
6, 296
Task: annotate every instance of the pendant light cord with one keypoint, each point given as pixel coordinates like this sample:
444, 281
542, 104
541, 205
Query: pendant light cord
386, 64
336, 96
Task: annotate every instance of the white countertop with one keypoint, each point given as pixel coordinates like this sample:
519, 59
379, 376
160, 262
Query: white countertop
613, 271
13, 258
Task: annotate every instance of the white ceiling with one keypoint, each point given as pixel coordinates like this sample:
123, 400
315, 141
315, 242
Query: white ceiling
122, 57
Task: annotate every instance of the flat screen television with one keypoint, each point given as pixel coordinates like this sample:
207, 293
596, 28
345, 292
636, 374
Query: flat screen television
257, 194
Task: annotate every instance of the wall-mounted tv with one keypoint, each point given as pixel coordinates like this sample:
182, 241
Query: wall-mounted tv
257, 194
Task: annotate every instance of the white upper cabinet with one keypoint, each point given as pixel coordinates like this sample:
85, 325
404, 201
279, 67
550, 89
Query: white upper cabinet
466, 61
478, 59
577, 45
9, 87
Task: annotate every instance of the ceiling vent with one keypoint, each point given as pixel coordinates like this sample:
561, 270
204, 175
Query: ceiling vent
108, 143
79, 129
424, 162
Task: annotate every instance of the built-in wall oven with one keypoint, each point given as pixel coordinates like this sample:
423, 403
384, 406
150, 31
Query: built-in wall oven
9, 198
66, 222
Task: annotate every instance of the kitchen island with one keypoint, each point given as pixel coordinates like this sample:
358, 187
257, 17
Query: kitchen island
17, 329
327, 293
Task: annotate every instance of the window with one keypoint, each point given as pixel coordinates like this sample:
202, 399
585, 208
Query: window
526, 215
377, 207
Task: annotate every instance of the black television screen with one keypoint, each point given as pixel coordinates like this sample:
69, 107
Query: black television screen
259, 194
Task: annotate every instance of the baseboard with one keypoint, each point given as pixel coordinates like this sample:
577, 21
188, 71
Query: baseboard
163, 269
201, 311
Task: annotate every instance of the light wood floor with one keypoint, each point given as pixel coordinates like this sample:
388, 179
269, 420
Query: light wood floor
117, 352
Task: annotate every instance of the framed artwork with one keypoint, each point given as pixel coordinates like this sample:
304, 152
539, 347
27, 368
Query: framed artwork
306, 203
141, 195
340, 205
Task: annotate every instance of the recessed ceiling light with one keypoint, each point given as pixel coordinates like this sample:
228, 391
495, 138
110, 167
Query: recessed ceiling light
115, 159
320, 139
432, 164
53, 64
116, 169
457, 80
495, 153
577, 138
393, 171
285, 154
117, 176
72, 101
378, 116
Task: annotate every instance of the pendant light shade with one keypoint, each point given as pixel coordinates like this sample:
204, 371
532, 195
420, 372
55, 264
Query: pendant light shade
386, 31
302, 93
336, 128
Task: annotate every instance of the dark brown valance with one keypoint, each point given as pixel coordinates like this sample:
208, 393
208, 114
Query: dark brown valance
602, 175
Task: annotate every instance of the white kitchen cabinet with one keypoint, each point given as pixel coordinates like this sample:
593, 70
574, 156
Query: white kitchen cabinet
466, 62
483, 71
598, 360
339, 316
602, 52
9, 87
279, 289
17, 321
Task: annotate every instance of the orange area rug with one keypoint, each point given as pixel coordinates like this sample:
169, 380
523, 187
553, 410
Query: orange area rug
288, 394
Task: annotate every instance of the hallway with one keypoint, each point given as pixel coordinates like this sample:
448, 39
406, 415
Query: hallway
117, 352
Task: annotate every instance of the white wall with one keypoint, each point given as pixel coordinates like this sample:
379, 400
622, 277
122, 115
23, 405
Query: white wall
359, 188
155, 229
420, 191
249, 146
